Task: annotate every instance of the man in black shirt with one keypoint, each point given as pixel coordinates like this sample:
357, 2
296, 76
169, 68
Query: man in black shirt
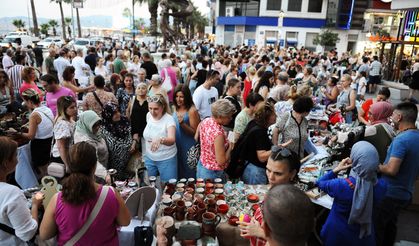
148, 65
91, 58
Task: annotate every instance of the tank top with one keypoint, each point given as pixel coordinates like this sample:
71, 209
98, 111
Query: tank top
70, 218
343, 97
5, 98
45, 128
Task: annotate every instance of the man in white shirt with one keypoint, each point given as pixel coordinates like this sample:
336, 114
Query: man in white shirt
61, 63
374, 75
81, 68
7, 60
206, 94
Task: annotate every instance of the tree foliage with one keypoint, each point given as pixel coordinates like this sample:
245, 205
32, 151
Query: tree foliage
326, 38
53, 24
18, 23
44, 28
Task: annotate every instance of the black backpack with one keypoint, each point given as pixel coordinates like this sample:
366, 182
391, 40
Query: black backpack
238, 155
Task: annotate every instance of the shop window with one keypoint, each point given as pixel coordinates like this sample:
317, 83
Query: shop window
250, 28
274, 5
378, 20
295, 5
292, 34
315, 6
229, 28
310, 38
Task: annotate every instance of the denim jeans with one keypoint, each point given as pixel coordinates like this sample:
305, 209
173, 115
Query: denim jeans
202, 172
385, 220
348, 117
254, 175
166, 168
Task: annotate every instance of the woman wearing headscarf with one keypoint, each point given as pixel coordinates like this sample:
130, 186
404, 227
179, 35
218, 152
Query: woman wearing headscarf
88, 130
117, 134
350, 219
380, 133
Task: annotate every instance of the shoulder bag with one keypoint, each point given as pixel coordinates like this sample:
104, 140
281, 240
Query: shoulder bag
167, 83
193, 154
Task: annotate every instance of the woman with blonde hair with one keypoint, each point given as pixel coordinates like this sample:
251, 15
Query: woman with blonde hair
346, 100
215, 149
156, 88
160, 136
28, 77
247, 87
258, 75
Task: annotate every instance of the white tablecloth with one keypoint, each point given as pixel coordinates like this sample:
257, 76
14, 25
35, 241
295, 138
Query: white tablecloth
126, 234
24, 174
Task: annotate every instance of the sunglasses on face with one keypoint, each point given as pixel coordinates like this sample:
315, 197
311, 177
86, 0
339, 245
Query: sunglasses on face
276, 150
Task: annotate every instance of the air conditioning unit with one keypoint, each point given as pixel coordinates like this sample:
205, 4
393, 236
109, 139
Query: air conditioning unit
229, 11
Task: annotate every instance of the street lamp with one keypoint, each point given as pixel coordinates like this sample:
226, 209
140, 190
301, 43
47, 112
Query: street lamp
280, 24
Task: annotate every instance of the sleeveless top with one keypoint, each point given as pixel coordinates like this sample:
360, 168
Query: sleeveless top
5, 98
70, 218
327, 101
45, 128
343, 97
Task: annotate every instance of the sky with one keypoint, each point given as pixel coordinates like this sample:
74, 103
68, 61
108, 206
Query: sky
114, 8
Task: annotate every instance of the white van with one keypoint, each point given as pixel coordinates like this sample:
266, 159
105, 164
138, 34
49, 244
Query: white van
16, 40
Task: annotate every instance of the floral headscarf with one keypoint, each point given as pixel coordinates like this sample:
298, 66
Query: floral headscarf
119, 129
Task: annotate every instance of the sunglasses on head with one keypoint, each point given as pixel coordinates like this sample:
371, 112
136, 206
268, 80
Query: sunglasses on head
153, 99
276, 150
69, 98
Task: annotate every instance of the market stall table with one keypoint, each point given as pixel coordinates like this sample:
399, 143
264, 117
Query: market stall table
126, 233
241, 200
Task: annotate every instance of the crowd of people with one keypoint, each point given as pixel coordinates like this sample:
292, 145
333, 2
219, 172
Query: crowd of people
246, 101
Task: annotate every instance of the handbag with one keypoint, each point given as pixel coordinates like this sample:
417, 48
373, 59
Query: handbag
167, 83
91, 218
56, 169
192, 156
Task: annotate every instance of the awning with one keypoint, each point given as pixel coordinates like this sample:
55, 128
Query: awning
292, 41
271, 40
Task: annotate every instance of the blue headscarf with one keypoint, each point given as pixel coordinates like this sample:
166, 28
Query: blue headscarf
365, 161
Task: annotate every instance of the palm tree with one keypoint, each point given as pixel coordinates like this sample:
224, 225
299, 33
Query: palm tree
53, 24
18, 23
152, 8
68, 21
35, 19
127, 13
44, 28
78, 23
195, 22
60, 3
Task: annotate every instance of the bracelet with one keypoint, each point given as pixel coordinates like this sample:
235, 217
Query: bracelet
162, 140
